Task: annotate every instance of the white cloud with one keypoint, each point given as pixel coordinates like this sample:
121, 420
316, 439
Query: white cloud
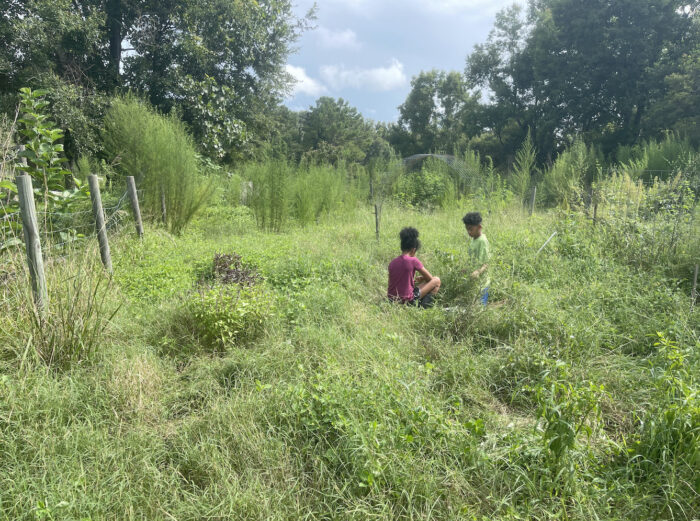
377, 79
473, 7
369, 8
304, 83
346, 39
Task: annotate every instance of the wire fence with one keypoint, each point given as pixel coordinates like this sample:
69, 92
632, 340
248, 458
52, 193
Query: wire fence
60, 228
662, 213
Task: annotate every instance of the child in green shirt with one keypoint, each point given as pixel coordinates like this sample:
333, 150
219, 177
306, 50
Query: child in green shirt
479, 254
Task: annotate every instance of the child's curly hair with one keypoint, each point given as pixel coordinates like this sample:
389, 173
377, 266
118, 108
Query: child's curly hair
472, 219
409, 239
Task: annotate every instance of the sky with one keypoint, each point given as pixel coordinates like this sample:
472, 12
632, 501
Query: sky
367, 51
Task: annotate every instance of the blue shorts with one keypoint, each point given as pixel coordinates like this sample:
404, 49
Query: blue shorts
484, 298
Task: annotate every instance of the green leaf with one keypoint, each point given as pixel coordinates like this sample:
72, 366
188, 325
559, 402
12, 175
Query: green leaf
9, 185
14, 241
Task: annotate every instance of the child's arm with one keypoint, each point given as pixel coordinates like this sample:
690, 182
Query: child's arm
424, 276
477, 273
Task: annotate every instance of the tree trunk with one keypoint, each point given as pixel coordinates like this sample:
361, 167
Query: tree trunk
114, 26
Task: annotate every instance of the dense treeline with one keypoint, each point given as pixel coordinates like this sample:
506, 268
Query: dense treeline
219, 63
611, 73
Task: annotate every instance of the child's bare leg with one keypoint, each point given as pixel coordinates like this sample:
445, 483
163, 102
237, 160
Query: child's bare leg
432, 286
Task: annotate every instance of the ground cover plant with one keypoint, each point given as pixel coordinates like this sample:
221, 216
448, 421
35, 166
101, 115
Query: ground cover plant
252, 374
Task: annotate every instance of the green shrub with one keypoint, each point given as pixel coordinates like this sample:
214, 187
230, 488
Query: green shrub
457, 287
563, 182
668, 438
80, 110
428, 188
157, 150
229, 314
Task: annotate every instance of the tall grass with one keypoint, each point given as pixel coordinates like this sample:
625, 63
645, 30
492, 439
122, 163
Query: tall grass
343, 406
563, 183
653, 226
80, 308
280, 195
157, 150
653, 159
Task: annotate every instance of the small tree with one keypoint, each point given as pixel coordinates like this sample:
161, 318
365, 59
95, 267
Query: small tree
523, 168
60, 191
383, 173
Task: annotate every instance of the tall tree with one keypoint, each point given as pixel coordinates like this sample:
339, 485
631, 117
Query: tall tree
597, 57
569, 68
235, 46
335, 130
438, 114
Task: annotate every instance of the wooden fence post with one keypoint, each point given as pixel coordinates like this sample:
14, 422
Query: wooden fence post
35, 260
134, 197
595, 213
162, 207
100, 228
377, 216
532, 201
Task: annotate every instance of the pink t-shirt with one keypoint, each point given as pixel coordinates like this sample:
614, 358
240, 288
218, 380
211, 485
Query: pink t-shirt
401, 272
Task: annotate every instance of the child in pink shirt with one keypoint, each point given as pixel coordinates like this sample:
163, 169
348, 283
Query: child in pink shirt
402, 286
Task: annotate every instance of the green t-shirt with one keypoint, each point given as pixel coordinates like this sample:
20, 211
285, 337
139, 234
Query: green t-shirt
480, 254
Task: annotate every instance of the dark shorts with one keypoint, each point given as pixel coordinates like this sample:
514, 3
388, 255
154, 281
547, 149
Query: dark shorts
415, 299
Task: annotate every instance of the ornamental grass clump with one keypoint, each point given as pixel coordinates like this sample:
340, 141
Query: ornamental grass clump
157, 150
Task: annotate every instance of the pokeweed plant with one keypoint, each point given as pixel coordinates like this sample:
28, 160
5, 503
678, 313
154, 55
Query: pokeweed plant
564, 412
59, 191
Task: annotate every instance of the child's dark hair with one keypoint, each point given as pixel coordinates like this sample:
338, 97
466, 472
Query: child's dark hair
472, 219
409, 239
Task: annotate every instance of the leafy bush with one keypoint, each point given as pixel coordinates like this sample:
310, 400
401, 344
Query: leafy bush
61, 194
564, 411
226, 315
80, 111
157, 150
428, 188
564, 181
457, 287
668, 438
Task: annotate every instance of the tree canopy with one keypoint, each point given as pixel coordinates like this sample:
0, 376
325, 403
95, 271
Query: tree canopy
612, 72
174, 52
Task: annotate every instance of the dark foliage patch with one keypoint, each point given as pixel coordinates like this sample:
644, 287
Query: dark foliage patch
228, 268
